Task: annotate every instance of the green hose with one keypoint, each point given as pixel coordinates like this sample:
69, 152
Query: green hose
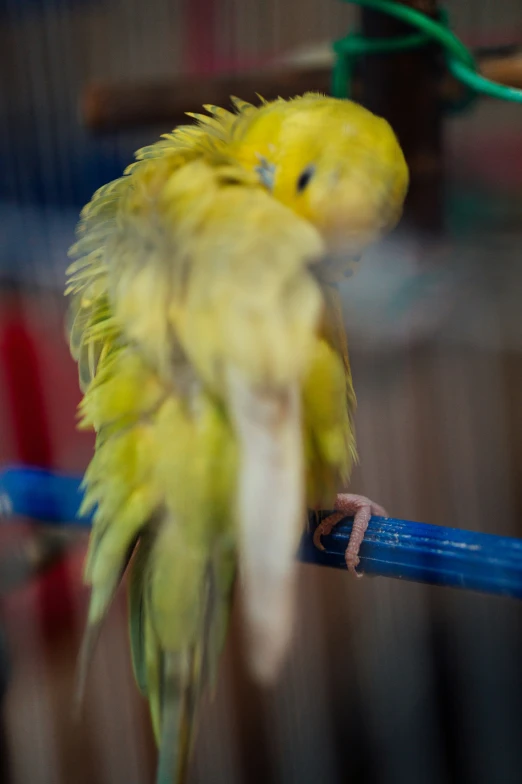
460, 61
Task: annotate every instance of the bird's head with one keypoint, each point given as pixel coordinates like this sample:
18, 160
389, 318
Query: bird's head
334, 163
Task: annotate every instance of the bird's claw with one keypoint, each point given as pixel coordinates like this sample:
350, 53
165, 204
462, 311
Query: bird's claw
362, 509
326, 527
352, 562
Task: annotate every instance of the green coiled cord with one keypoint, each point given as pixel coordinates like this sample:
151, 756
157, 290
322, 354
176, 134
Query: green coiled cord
460, 61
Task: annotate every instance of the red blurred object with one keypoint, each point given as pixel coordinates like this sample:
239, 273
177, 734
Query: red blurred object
27, 366
19, 359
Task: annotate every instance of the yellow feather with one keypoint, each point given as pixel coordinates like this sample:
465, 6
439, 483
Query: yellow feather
215, 373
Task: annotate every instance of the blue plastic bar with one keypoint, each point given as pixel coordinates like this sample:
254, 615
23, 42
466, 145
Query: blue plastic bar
427, 553
44, 496
392, 548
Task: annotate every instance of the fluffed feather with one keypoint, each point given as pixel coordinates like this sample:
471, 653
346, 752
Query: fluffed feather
216, 376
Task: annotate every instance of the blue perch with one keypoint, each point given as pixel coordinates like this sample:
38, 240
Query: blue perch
392, 548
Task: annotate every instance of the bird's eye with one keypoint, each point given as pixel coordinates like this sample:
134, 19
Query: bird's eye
304, 178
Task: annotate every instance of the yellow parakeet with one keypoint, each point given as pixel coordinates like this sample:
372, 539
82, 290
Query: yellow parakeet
213, 363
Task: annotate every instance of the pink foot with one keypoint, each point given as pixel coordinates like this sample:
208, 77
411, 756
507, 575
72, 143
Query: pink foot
362, 509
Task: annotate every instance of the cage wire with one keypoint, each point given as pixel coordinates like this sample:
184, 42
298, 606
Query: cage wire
386, 681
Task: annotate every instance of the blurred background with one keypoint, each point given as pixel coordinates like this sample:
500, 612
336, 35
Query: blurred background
387, 681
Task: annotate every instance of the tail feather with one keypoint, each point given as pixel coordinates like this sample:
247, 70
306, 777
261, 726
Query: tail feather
218, 590
90, 639
137, 623
183, 678
177, 705
174, 680
94, 626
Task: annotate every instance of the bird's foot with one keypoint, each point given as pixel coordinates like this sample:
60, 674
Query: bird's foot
362, 509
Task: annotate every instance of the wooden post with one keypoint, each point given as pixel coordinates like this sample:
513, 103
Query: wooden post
107, 107
404, 88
